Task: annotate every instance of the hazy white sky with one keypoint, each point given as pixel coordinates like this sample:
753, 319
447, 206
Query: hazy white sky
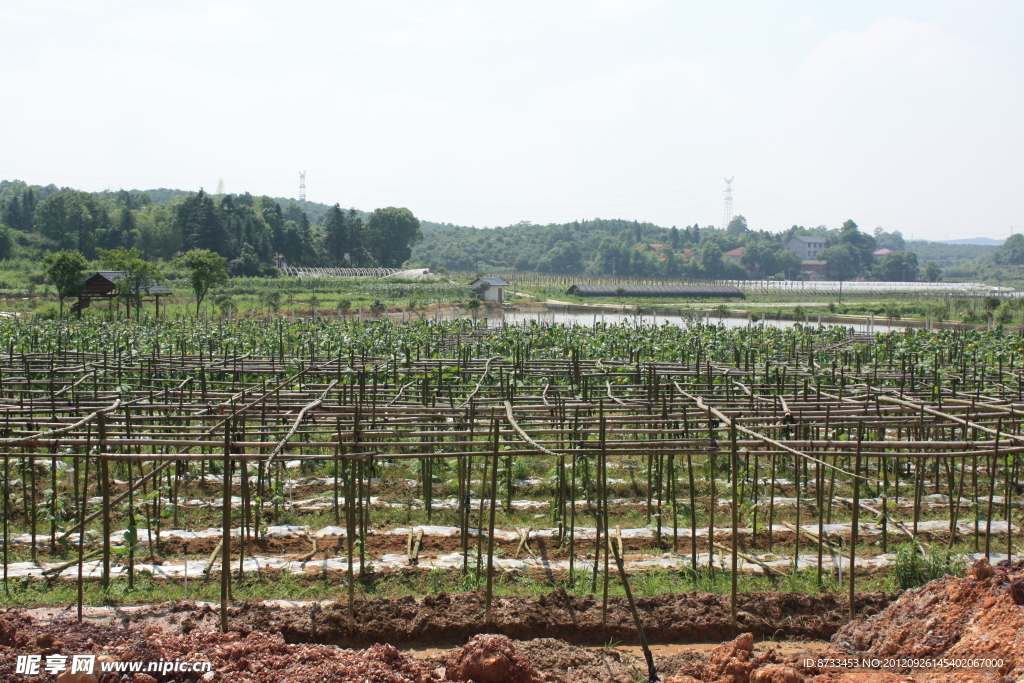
906, 115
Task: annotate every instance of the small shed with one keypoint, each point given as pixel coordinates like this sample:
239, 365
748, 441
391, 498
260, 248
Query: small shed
650, 291
103, 286
489, 289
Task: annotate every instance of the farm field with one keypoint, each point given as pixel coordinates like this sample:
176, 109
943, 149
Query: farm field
25, 290
424, 481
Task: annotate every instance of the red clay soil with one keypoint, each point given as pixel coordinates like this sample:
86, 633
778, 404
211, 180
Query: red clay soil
255, 658
190, 634
490, 659
734, 662
444, 619
979, 617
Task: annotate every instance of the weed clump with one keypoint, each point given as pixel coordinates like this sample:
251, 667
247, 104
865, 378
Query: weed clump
916, 565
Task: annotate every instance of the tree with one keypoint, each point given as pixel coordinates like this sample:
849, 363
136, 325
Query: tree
673, 238
64, 269
898, 266
337, 242
71, 220
391, 234
6, 243
473, 305
248, 264
208, 270
843, 261
121, 232
737, 226
200, 225
272, 300
158, 236
225, 303
1012, 250
711, 259
139, 275
890, 240
564, 257
862, 244
932, 272
757, 257
789, 263
11, 214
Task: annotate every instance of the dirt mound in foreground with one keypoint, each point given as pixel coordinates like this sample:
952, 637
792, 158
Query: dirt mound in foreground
735, 662
979, 617
255, 658
490, 659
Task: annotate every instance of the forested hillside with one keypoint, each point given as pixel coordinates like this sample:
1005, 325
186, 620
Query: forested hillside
946, 254
246, 230
631, 248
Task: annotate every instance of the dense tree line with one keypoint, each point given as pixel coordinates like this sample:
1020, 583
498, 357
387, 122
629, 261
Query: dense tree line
246, 230
249, 231
631, 248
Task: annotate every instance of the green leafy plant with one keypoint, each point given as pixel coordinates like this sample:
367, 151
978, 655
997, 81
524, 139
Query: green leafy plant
916, 565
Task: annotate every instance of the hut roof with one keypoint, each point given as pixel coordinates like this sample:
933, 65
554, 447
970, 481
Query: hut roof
103, 282
492, 281
691, 291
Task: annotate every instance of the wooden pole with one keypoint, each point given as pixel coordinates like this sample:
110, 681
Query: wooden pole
105, 492
490, 524
735, 521
225, 558
855, 524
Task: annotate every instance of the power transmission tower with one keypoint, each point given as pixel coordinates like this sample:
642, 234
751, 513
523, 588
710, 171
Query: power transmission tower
727, 213
302, 186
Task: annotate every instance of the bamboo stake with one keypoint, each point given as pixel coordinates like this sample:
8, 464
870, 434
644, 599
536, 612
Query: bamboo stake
490, 525
225, 560
735, 523
854, 528
104, 475
652, 671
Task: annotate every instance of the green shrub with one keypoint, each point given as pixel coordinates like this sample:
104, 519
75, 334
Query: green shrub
48, 311
916, 566
892, 310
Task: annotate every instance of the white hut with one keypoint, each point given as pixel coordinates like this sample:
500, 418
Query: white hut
489, 289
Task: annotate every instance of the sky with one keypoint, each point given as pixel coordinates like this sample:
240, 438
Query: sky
903, 115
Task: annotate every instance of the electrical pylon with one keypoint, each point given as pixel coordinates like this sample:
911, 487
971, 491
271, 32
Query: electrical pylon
727, 213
